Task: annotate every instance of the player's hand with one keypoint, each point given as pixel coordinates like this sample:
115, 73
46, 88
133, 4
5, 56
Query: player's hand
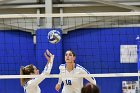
49, 56
57, 87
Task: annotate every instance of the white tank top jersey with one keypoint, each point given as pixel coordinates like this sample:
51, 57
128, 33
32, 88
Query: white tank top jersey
32, 85
73, 85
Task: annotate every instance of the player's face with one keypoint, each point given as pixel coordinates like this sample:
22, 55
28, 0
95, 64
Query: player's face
69, 57
36, 71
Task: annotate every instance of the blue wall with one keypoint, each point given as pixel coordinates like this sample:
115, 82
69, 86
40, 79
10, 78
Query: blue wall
48, 85
98, 50
16, 49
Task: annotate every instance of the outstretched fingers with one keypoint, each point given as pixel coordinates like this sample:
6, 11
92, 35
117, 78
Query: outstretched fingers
46, 56
48, 52
49, 56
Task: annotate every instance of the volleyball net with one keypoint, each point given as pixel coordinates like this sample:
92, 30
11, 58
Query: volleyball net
104, 43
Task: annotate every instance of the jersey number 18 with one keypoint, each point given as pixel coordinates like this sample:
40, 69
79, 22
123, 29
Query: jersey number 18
68, 82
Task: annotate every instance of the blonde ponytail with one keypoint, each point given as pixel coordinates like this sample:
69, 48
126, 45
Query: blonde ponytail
22, 80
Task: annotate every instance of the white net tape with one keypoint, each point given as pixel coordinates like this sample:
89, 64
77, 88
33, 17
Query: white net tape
74, 76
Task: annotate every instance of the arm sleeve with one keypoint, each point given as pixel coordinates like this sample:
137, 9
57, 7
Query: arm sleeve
90, 79
60, 78
38, 80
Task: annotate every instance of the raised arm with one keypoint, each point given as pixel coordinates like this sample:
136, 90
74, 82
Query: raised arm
50, 57
47, 69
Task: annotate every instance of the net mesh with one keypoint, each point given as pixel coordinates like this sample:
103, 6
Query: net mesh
103, 42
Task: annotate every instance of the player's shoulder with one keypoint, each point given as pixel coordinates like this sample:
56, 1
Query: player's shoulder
62, 66
80, 67
30, 81
27, 83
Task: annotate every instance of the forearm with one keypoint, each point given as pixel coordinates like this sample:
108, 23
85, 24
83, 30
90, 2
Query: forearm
48, 68
91, 80
38, 80
59, 81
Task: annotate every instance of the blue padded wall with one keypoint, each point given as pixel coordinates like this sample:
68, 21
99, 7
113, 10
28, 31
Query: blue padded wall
98, 50
16, 49
48, 85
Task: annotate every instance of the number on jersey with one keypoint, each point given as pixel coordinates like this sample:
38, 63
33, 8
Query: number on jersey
68, 82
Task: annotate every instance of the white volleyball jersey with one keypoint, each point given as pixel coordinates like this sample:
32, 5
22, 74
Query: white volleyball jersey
32, 85
72, 84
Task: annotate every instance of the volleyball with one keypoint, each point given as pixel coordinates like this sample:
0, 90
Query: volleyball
54, 36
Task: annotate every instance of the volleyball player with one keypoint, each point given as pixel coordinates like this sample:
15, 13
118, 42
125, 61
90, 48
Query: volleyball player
71, 84
30, 85
90, 88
